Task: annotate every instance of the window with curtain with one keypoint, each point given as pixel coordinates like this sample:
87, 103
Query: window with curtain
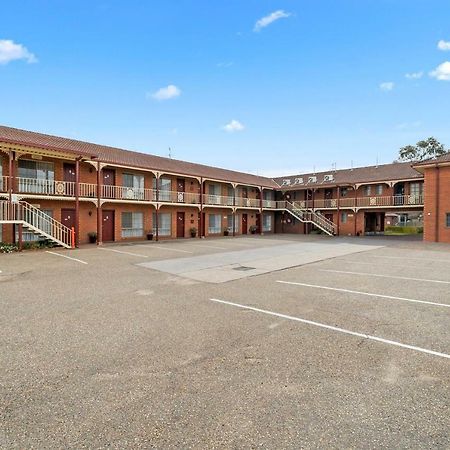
267, 222
2, 184
416, 189
165, 187
164, 224
379, 189
36, 176
214, 191
132, 224
367, 190
344, 217
214, 224
134, 185
230, 223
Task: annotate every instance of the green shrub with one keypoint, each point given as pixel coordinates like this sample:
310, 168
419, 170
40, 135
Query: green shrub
404, 230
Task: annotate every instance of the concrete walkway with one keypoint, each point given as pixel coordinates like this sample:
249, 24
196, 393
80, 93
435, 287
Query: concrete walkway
233, 265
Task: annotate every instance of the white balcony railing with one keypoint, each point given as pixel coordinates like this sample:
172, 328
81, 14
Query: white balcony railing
53, 187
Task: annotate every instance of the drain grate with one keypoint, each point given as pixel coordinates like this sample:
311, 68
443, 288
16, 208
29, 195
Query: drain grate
243, 268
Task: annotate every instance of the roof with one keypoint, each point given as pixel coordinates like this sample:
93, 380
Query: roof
118, 156
345, 177
445, 158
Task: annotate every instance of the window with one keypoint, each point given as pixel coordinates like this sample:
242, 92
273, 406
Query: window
165, 186
447, 222
367, 190
2, 185
36, 176
132, 224
230, 223
344, 192
267, 222
164, 224
214, 192
344, 217
379, 189
134, 185
416, 188
214, 224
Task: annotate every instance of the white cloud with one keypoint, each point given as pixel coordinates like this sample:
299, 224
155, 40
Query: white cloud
408, 125
165, 93
225, 64
442, 72
387, 86
267, 20
233, 126
414, 75
10, 51
444, 45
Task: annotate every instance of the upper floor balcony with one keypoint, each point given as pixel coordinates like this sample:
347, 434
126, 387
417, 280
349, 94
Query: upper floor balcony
364, 202
67, 189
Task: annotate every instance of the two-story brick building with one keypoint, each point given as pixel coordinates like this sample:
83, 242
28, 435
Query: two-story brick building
65, 190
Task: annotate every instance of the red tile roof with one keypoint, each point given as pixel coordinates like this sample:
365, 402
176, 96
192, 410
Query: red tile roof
343, 177
445, 158
122, 157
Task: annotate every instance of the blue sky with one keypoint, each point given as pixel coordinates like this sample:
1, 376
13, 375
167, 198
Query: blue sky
317, 82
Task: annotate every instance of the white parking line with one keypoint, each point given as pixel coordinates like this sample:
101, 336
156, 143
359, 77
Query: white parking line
348, 291
67, 257
333, 328
208, 246
171, 249
247, 244
386, 276
120, 251
349, 261
410, 257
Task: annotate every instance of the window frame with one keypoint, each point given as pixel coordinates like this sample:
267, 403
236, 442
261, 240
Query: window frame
137, 226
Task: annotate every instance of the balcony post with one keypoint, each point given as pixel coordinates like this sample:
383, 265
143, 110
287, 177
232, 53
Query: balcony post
99, 205
338, 210
77, 202
200, 232
156, 225
355, 209
234, 211
11, 175
261, 212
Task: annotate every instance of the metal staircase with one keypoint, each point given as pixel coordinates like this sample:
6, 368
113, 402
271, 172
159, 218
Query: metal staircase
37, 222
311, 216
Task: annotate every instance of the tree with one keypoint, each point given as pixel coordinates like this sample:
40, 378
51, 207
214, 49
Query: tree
429, 148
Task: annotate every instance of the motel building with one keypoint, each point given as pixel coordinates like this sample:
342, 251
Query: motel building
64, 190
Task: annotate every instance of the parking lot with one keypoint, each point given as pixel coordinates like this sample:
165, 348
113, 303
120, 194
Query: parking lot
250, 342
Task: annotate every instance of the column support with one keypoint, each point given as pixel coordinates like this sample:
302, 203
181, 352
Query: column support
200, 232
234, 211
355, 210
157, 209
99, 205
77, 202
338, 210
261, 212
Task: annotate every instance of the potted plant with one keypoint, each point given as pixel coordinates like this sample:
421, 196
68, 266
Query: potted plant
226, 232
193, 232
253, 229
150, 236
92, 235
